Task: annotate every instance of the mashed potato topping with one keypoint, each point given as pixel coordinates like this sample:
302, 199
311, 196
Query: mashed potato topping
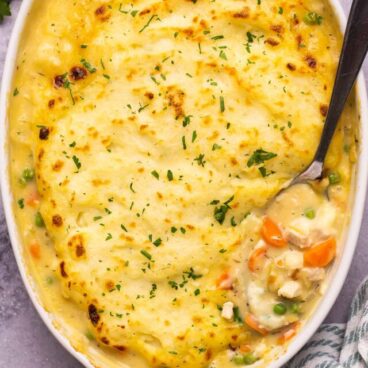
146, 139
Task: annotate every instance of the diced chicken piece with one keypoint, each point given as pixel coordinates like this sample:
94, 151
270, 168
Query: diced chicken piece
228, 310
298, 239
291, 260
304, 232
290, 290
314, 274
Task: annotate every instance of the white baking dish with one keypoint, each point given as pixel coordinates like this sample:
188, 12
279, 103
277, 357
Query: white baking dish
341, 267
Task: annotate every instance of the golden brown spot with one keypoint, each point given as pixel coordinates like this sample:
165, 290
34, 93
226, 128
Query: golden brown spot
181, 338
57, 220
299, 40
149, 95
324, 110
277, 28
188, 32
291, 67
62, 270
59, 81
272, 42
176, 100
145, 11
102, 13
109, 285
77, 73
141, 170
159, 195
100, 182
80, 251
77, 243
105, 340
51, 104
208, 354
143, 127
234, 161
58, 165
41, 154
311, 61
190, 227
242, 14
120, 347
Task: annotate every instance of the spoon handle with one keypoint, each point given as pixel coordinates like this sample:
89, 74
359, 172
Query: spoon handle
353, 53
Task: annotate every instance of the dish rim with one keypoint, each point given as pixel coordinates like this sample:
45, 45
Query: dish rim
337, 281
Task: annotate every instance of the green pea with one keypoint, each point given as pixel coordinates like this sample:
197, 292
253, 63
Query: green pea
249, 359
295, 308
246, 359
238, 359
90, 335
28, 175
310, 213
39, 220
280, 309
334, 178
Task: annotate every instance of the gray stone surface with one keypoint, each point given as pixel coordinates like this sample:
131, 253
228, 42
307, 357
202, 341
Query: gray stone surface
26, 343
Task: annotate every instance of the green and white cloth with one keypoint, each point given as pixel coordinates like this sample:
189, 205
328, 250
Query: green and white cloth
339, 345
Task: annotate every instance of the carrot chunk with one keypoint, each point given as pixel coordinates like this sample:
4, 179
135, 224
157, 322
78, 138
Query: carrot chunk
224, 282
289, 333
35, 250
254, 325
272, 234
33, 199
255, 256
321, 255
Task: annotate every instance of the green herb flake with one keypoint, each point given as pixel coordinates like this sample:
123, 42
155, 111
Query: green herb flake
222, 104
77, 162
260, 156
155, 174
170, 175
312, 18
146, 254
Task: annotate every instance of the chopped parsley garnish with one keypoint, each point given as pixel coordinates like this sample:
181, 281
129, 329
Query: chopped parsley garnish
88, 66
186, 120
200, 160
183, 142
313, 18
124, 228
221, 211
222, 104
16, 92
237, 315
170, 175
155, 174
77, 162
149, 22
259, 157
146, 254
194, 136
174, 229
264, 172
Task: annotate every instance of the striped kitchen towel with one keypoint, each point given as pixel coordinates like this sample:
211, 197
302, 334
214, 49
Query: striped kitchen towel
339, 345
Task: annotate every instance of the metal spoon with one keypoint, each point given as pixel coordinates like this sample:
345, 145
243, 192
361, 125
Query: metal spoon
353, 53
